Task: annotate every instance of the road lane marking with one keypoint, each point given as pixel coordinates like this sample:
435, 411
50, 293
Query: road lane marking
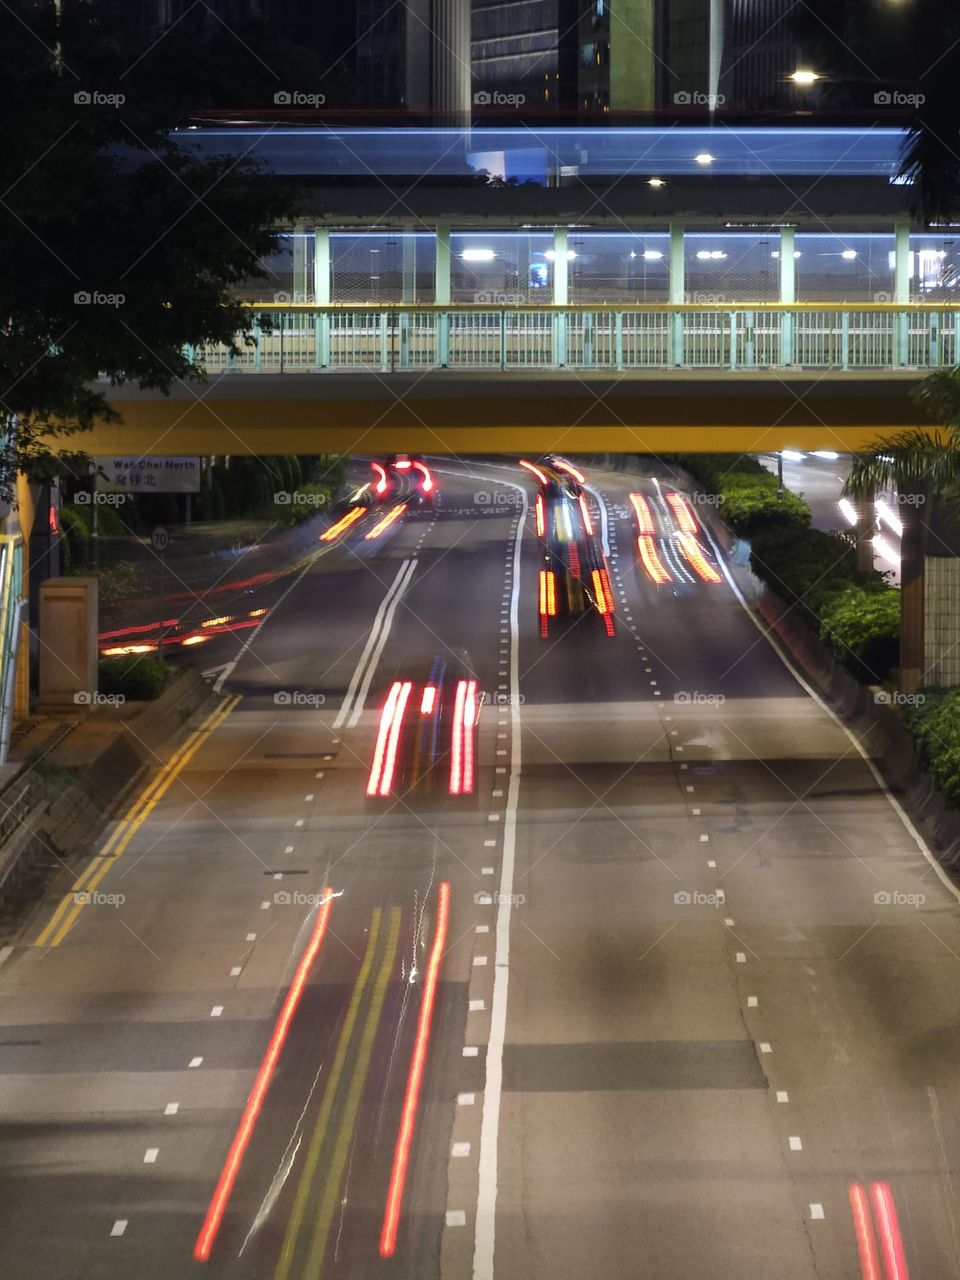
304, 1188
119, 1227
122, 825
348, 1120
380, 621
78, 898
485, 1226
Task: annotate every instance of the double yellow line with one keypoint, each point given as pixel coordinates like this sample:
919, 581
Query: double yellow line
76, 899
337, 1161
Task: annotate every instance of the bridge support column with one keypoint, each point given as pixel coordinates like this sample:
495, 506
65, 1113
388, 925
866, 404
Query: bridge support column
441, 286
677, 292
901, 292
561, 294
788, 292
321, 292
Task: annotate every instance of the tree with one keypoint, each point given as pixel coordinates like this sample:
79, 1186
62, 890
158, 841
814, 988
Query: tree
121, 248
922, 466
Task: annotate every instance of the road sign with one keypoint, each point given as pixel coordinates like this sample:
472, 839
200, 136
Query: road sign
148, 475
160, 538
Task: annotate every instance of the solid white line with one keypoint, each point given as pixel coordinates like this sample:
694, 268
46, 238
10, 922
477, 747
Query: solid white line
355, 679
825, 706
490, 1124
392, 607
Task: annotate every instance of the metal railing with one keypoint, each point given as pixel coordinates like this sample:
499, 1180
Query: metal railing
300, 338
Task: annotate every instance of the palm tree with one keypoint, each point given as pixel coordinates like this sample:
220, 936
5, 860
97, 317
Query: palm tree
921, 465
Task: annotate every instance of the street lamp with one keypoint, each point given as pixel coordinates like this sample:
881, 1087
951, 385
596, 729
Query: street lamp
804, 77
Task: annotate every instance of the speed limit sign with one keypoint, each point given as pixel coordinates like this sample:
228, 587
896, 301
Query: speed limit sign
160, 538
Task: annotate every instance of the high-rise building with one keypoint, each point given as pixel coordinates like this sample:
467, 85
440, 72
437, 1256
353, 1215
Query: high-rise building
414, 56
524, 53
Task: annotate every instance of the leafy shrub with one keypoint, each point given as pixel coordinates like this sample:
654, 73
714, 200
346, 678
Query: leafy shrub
862, 629
134, 676
751, 505
805, 565
935, 726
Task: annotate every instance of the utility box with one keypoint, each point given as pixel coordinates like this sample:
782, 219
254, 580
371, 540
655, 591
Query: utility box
68, 643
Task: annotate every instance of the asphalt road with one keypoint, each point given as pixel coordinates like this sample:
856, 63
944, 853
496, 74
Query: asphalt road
674, 1021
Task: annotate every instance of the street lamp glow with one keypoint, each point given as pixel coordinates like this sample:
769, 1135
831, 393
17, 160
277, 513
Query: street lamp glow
704, 158
655, 182
791, 455
805, 78
849, 254
478, 255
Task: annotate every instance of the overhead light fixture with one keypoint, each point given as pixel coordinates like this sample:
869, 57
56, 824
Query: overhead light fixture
550, 255
656, 182
652, 255
704, 157
849, 254
478, 255
804, 77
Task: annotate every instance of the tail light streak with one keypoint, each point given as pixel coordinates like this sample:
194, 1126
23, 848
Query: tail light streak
461, 741
418, 1061
882, 1225
429, 699
541, 523
427, 482
384, 764
548, 598
562, 465
241, 1139
603, 594
381, 485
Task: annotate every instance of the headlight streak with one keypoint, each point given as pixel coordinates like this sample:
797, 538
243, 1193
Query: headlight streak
381, 526
342, 524
585, 513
